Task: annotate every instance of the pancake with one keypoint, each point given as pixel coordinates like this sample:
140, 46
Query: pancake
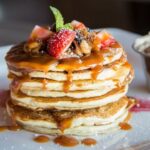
46, 84
78, 131
67, 103
106, 72
17, 59
94, 120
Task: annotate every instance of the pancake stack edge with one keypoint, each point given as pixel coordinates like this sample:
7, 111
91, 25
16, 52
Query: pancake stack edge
59, 97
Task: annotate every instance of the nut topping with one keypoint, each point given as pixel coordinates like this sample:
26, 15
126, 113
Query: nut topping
66, 40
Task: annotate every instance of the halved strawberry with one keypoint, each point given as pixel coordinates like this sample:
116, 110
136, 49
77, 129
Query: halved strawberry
105, 39
39, 33
78, 25
60, 42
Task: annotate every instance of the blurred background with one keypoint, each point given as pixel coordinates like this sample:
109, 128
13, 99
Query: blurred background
17, 17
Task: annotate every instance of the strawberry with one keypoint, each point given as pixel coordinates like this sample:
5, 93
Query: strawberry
78, 25
108, 42
60, 42
105, 39
39, 33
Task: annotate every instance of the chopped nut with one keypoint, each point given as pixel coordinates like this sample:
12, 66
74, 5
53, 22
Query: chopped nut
85, 47
77, 49
32, 47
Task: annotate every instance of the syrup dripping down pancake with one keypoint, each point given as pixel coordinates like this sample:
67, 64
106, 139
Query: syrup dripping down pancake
71, 122
46, 84
16, 58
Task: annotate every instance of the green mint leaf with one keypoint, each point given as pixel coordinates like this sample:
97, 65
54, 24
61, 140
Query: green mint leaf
67, 26
58, 17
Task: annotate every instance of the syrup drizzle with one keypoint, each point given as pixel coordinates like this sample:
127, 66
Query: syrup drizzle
44, 81
95, 72
3, 128
68, 83
64, 124
17, 59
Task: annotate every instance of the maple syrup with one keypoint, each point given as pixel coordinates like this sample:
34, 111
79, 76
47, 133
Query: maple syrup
89, 141
125, 126
66, 141
41, 139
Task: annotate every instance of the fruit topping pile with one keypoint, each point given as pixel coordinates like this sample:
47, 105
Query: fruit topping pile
61, 40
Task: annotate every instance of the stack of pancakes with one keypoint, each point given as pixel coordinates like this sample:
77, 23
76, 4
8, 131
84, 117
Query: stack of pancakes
79, 96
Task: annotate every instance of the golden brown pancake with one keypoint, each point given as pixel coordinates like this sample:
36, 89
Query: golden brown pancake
17, 59
72, 122
104, 72
67, 103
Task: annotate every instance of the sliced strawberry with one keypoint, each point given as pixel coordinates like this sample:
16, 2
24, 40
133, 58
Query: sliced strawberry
105, 39
78, 25
60, 42
108, 43
40, 33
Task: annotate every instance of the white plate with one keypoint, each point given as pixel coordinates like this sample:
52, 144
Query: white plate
140, 122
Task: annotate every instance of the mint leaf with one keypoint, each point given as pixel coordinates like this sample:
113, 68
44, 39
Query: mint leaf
58, 18
68, 26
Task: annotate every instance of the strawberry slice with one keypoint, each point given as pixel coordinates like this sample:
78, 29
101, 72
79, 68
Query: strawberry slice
105, 39
60, 42
40, 33
78, 25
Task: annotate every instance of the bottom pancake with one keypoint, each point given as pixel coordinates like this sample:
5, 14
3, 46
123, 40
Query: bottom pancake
79, 131
81, 122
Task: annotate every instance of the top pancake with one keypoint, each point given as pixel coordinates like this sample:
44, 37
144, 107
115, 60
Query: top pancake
18, 60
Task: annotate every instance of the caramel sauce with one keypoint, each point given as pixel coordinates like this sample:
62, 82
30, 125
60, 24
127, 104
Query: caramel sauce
95, 72
128, 117
64, 124
96, 58
41, 139
66, 141
127, 65
14, 128
17, 58
89, 141
3, 128
68, 83
118, 84
11, 128
44, 81
125, 126
121, 61
11, 75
